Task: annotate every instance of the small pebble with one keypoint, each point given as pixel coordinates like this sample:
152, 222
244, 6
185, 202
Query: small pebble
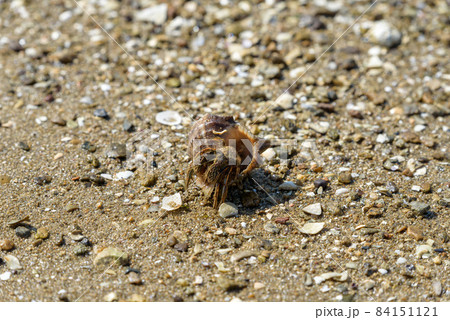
259, 285
89, 147
41, 233
136, 298
415, 232
321, 183
288, 186
5, 276
228, 209
181, 247
342, 191
111, 297
437, 288
128, 126
392, 187
101, 113
111, 255
383, 271
24, 146
345, 177
368, 284
307, 280
351, 265
70, 207
314, 209
6, 245
40, 181
172, 241
81, 249
270, 227
437, 260
419, 207
426, 187
116, 151
23, 232
198, 281
385, 34
312, 227
4, 179
134, 278
58, 121
230, 285
242, 254
149, 180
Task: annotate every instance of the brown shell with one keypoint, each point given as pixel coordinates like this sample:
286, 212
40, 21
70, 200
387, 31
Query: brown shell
226, 129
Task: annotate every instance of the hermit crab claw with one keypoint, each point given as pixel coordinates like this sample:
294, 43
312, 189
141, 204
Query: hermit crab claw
256, 159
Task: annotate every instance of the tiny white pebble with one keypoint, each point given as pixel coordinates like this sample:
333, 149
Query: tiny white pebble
325, 288
401, 260
419, 128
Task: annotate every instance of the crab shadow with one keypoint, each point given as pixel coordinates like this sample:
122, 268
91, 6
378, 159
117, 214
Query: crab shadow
258, 192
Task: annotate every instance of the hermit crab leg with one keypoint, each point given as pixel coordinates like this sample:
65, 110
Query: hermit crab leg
223, 196
189, 176
216, 195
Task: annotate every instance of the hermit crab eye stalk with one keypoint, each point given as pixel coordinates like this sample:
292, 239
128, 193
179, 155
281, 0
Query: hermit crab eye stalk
220, 149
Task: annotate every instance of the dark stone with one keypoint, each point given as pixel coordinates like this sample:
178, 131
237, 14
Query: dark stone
116, 150
332, 96
15, 46
101, 113
128, 126
321, 183
23, 232
88, 146
419, 207
24, 146
349, 64
40, 181
98, 180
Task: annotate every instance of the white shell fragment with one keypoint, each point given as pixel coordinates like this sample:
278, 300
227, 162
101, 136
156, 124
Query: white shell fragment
12, 262
5, 276
169, 118
123, 175
423, 249
315, 209
172, 202
335, 276
221, 267
312, 227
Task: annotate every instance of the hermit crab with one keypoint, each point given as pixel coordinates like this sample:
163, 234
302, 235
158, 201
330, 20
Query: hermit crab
221, 151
